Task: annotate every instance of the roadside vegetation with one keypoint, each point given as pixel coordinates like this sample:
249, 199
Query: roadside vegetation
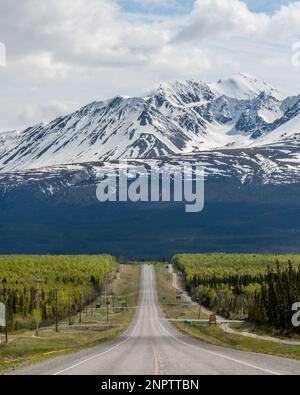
214, 334
60, 285
106, 314
258, 288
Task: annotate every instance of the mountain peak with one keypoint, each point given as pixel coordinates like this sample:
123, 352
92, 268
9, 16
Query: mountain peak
240, 86
243, 86
178, 93
178, 117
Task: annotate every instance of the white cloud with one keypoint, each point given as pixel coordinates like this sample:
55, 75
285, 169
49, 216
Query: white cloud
285, 22
178, 61
46, 111
221, 17
228, 18
82, 50
80, 32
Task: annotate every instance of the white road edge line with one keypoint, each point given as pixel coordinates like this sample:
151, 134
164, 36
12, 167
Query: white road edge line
102, 353
221, 355
217, 354
176, 339
91, 358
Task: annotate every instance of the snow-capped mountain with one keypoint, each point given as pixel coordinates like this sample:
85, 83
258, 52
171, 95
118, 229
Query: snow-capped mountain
243, 132
243, 86
7, 138
175, 119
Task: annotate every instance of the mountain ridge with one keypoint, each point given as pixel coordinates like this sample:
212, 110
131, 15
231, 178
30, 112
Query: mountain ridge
176, 118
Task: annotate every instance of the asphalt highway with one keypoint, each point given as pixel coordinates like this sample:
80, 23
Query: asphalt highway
151, 346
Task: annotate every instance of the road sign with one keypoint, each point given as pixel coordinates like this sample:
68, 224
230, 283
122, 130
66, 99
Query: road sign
212, 319
2, 315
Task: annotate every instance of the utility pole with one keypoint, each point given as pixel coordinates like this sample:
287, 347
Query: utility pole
38, 282
56, 310
113, 302
107, 304
6, 322
5, 298
112, 285
80, 304
92, 302
199, 301
70, 323
6, 314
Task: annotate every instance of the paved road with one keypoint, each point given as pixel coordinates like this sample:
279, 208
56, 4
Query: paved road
152, 346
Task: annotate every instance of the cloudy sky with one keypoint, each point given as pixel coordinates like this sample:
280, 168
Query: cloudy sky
62, 54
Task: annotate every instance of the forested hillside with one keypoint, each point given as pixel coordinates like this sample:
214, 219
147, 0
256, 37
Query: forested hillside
59, 283
261, 288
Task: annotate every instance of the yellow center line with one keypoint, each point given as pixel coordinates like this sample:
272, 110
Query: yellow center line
54, 352
156, 361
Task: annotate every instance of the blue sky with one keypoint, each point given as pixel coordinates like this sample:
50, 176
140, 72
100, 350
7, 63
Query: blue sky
162, 7
175, 7
266, 5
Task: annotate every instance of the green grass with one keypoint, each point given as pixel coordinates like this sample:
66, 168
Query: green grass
24, 348
263, 330
167, 298
214, 334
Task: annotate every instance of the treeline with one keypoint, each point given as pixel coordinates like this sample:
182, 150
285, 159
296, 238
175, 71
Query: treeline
272, 304
62, 285
260, 288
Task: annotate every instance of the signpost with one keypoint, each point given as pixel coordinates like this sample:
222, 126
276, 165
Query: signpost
212, 319
3, 319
